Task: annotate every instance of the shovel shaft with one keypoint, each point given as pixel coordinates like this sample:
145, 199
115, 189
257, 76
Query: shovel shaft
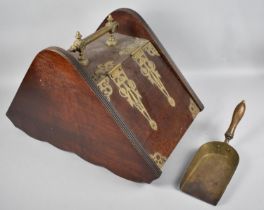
237, 115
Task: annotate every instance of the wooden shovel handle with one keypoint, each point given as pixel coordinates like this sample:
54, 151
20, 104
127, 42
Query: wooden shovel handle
237, 115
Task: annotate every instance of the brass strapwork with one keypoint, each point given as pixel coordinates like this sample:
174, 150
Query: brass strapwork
79, 44
100, 77
128, 90
148, 69
193, 108
158, 158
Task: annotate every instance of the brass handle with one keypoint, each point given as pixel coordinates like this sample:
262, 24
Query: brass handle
237, 115
79, 44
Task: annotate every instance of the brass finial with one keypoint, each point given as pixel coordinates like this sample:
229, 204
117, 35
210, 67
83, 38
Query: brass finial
111, 41
78, 46
110, 18
78, 35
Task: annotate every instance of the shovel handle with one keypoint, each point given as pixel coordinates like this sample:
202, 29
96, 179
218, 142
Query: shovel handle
237, 115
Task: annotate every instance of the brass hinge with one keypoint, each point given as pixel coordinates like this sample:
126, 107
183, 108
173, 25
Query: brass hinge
147, 67
127, 87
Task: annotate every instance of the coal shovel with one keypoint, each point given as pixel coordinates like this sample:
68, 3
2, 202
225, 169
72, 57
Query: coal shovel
213, 165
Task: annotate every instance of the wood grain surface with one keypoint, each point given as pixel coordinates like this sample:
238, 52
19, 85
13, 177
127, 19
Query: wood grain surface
55, 104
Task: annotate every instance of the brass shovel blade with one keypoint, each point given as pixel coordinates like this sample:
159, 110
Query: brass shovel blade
210, 171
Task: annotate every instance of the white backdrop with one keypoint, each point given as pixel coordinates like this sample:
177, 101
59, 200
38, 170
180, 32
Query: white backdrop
219, 47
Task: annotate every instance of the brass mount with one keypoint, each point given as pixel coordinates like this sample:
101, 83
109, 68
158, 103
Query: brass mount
79, 44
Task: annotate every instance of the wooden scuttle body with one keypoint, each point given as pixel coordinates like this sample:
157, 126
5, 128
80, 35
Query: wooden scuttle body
126, 110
